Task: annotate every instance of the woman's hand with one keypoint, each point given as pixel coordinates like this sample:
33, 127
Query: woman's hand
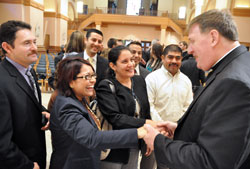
141, 132
152, 123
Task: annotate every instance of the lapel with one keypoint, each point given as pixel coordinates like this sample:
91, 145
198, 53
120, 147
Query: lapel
98, 65
84, 109
21, 82
224, 62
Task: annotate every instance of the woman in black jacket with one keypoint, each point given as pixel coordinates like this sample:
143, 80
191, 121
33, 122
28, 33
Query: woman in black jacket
76, 136
127, 108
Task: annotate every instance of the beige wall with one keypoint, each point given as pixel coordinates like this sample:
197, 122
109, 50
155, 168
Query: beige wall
165, 5
243, 24
100, 3
50, 28
141, 33
35, 17
11, 11
62, 35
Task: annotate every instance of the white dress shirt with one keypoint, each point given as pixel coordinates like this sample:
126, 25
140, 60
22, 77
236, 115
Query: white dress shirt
169, 96
137, 69
94, 59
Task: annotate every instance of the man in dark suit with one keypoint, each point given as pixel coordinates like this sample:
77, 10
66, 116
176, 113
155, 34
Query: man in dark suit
214, 131
22, 141
197, 76
136, 50
94, 39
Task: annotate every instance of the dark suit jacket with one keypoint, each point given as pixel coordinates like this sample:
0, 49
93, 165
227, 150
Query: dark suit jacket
214, 132
197, 76
22, 141
101, 69
76, 140
119, 109
143, 71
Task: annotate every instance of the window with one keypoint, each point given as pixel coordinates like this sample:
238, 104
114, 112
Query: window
133, 7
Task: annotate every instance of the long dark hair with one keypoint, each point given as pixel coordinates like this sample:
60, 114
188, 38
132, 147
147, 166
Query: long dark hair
67, 71
113, 56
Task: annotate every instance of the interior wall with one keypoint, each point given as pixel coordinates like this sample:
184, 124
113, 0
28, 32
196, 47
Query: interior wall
50, 5
50, 27
36, 21
100, 3
128, 32
243, 24
64, 8
11, 11
165, 5
136, 32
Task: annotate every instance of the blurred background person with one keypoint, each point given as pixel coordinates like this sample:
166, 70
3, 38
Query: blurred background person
155, 60
146, 54
136, 50
77, 139
127, 108
184, 46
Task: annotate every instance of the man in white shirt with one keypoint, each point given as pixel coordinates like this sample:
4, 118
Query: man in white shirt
169, 90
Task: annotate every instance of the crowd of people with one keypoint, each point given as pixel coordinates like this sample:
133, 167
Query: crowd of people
159, 102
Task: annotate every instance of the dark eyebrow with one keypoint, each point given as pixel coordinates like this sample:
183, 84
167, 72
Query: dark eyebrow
174, 56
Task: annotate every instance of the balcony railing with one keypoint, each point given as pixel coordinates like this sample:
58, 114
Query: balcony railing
142, 12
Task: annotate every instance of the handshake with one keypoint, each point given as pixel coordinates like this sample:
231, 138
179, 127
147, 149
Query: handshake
151, 129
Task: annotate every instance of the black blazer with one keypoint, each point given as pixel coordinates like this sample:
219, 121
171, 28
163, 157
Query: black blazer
197, 76
143, 71
119, 109
214, 131
22, 141
76, 140
101, 69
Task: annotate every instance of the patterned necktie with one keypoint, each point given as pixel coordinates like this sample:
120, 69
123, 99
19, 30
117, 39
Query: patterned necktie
91, 61
32, 83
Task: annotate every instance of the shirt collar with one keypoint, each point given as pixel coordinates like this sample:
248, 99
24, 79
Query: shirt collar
215, 65
19, 67
86, 56
137, 69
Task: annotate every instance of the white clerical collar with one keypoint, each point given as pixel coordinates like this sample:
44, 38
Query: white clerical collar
226, 54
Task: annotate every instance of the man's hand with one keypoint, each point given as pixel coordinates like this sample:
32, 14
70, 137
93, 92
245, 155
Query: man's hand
167, 128
36, 166
47, 116
150, 136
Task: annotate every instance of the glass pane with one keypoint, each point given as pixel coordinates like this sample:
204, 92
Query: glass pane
133, 7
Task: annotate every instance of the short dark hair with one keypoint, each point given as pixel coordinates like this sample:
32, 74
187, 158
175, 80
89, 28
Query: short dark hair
157, 50
111, 42
220, 20
172, 48
76, 42
67, 71
94, 31
134, 43
8, 31
113, 56
184, 43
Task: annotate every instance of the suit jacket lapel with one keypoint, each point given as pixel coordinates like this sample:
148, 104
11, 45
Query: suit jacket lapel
21, 82
228, 59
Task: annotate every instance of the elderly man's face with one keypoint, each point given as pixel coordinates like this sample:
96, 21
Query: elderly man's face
200, 47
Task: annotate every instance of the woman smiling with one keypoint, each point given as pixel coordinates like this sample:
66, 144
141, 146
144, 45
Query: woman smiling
76, 137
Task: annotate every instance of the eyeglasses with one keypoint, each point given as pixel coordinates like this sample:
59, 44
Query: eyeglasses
87, 77
171, 57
